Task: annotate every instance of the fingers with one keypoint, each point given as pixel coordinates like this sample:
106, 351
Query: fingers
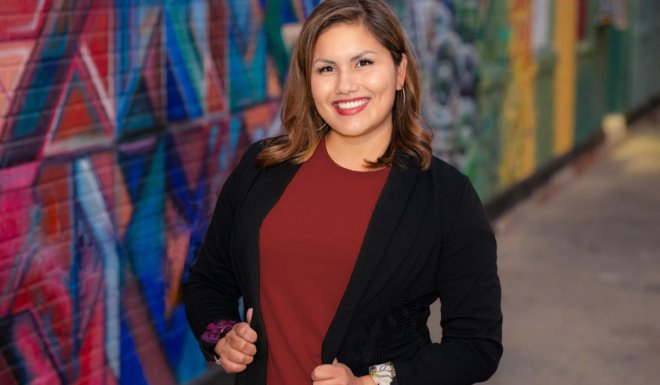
323, 372
238, 349
243, 346
237, 357
244, 331
231, 367
248, 315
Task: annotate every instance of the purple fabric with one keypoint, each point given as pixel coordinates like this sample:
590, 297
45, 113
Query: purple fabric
215, 331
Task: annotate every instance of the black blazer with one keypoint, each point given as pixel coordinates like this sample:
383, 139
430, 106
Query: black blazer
428, 237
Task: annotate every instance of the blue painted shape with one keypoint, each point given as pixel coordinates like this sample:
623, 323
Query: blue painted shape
177, 182
140, 113
122, 46
192, 363
175, 109
133, 167
174, 338
178, 65
131, 370
288, 12
241, 86
235, 130
258, 68
241, 17
145, 238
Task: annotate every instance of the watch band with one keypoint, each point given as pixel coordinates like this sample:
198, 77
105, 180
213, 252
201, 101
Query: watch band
383, 374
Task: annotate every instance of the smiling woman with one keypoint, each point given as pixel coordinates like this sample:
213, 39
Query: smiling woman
354, 82
342, 231
353, 76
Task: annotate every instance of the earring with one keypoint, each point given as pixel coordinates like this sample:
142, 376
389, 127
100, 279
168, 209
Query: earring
319, 129
404, 103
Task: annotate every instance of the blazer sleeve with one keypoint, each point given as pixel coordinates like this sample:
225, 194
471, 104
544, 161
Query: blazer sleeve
470, 293
211, 292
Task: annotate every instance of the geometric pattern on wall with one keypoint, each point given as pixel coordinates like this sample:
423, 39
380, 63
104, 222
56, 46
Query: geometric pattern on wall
119, 122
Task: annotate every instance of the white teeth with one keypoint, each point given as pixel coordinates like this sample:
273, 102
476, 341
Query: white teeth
357, 103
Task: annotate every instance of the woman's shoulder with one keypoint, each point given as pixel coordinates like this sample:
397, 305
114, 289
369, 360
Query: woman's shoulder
250, 154
446, 174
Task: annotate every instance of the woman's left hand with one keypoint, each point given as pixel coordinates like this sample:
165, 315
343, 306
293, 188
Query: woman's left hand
336, 374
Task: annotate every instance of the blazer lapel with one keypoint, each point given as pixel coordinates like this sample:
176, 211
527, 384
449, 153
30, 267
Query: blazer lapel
389, 208
267, 190
262, 197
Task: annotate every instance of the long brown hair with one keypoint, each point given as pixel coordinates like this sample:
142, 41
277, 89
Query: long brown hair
300, 118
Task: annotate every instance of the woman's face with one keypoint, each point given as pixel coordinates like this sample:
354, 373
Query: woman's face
354, 80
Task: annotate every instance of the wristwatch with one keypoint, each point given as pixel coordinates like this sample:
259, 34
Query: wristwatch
383, 374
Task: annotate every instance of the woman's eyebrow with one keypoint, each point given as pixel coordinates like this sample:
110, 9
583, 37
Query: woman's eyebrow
353, 58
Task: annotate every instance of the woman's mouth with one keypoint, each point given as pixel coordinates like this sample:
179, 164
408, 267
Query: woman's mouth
352, 107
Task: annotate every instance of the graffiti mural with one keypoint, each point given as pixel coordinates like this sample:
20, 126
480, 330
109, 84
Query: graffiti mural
449, 64
119, 122
121, 119
519, 141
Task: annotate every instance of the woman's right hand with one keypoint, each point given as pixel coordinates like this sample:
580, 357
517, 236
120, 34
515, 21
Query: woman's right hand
236, 350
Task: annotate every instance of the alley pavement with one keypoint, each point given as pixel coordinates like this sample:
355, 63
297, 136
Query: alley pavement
579, 263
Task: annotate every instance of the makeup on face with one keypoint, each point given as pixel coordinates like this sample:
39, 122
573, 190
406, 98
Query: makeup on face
347, 107
353, 81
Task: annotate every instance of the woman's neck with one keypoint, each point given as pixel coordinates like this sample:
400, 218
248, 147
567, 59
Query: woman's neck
350, 152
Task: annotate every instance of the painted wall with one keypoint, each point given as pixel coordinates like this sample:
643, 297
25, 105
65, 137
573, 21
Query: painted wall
119, 122
644, 52
121, 119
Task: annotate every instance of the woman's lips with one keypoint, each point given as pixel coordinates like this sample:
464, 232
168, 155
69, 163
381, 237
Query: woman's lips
351, 111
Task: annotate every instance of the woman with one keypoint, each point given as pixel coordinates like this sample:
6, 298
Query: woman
341, 232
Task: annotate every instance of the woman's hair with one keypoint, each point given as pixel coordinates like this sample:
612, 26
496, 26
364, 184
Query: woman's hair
299, 115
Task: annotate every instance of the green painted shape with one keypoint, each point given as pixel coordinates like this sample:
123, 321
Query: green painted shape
592, 85
618, 67
644, 52
275, 43
544, 95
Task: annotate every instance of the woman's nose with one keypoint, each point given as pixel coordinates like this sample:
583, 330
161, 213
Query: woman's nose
346, 82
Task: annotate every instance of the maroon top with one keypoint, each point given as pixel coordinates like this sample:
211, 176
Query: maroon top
308, 245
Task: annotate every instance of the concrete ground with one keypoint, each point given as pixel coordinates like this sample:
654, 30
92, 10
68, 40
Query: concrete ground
579, 264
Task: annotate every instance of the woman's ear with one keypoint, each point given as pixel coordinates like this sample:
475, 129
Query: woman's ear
401, 72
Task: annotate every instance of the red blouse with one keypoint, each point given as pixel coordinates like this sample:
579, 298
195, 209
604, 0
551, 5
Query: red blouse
309, 243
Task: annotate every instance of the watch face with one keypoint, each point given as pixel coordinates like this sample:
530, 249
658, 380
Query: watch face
382, 374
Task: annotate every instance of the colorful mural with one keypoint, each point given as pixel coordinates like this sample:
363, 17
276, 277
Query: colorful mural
519, 140
121, 119
443, 39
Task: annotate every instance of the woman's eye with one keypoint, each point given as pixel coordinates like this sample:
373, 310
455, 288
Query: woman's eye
364, 62
323, 69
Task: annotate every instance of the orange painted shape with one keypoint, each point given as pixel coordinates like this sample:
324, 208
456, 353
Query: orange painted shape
103, 165
191, 148
124, 208
565, 75
76, 119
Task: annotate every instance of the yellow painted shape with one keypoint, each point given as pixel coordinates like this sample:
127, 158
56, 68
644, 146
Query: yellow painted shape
519, 114
565, 30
